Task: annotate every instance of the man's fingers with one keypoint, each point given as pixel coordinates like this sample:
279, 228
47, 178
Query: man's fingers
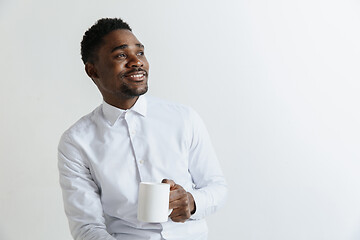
180, 215
180, 203
180, 219
177, 194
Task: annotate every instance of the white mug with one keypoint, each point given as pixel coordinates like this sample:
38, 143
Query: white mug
153, 202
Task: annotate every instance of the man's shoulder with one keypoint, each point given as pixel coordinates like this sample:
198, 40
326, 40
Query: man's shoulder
84, 124
163, 105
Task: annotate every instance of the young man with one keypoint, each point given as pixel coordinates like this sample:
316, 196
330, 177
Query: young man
132, 138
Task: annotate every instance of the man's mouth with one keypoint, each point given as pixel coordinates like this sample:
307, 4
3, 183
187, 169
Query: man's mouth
136, 76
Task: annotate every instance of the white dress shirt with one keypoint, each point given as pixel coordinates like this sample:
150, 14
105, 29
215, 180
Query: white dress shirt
106, 154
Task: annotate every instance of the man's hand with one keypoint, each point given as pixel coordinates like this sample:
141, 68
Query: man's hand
181, 202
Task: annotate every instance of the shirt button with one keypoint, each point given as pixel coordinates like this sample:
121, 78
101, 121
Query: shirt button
132, 132
141, 161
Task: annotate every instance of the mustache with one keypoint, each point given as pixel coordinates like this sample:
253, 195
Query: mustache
134, 70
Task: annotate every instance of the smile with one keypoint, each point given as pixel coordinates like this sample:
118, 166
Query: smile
136, 76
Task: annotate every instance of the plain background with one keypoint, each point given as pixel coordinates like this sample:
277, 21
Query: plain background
276, 82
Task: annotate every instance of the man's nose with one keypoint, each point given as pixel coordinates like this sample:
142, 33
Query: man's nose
134, 61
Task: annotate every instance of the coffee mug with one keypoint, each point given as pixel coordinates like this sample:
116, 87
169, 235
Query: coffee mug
153, 202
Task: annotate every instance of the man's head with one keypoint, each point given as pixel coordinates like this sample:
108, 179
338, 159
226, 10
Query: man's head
114, 59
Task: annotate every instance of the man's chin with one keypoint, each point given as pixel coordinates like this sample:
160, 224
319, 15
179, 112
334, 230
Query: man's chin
135, 92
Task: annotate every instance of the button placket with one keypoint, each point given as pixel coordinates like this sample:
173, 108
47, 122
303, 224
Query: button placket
132, 124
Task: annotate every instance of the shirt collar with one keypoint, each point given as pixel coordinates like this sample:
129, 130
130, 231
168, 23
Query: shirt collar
112, 114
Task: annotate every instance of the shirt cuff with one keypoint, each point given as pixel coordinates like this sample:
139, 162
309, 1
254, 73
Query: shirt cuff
200, 203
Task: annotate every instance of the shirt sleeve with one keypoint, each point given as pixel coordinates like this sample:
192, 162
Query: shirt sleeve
81, 195
210, 188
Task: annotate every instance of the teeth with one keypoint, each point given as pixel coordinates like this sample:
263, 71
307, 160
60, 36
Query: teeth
137, 75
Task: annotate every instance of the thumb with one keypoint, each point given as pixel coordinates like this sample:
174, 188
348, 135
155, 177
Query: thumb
168, 181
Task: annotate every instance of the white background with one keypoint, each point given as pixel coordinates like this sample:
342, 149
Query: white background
276, 82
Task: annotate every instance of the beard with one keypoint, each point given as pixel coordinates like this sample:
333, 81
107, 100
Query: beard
129, 92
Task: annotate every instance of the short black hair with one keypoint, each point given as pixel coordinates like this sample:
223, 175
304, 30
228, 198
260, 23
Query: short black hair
92, 38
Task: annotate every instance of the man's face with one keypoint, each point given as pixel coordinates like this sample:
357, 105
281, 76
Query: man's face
121, 68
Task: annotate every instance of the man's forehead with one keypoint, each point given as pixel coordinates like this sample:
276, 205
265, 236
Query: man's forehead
123, 38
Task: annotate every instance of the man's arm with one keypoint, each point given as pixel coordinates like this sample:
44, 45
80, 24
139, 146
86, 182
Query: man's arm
209, 186
80, 194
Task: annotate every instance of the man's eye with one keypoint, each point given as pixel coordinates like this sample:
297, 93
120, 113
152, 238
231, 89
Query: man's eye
121, 55
141, 53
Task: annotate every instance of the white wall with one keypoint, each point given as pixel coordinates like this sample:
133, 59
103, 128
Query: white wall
276, 82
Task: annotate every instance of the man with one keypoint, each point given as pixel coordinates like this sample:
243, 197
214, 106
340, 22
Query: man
132, 138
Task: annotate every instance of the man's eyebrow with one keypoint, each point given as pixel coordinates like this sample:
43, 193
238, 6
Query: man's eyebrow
139, 45
126, 46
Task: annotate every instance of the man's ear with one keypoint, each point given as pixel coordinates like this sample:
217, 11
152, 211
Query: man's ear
91, 71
